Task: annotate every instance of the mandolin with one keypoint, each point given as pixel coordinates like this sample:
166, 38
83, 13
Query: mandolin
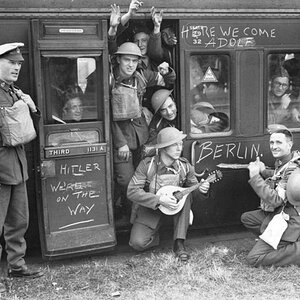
181, 193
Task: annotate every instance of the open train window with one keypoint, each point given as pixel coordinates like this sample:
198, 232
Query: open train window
209, 93
284, 89
71, 92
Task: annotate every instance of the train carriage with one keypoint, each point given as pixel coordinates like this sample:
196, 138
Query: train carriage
227, 58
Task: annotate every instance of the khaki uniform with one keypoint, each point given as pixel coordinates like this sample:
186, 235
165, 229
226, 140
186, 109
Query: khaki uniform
268, 187
150, 175
14, 214
133, 132
272, 194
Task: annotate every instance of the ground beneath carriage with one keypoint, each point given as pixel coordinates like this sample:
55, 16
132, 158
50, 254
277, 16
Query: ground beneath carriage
105, 276
216, 270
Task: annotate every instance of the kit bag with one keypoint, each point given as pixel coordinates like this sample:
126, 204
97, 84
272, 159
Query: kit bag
16, 125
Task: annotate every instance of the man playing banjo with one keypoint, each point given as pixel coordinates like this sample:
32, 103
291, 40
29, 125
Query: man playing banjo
153, 173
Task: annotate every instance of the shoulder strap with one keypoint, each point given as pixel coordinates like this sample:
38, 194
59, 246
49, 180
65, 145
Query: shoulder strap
183, 168
149, 167
283, 169
112, 81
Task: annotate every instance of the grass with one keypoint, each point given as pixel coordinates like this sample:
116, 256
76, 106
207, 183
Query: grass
215, 271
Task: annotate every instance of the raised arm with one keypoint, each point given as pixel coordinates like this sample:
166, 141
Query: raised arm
133, 7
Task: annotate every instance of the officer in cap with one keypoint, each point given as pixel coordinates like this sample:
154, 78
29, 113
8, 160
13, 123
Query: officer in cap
166, 168
129, 126
14, 214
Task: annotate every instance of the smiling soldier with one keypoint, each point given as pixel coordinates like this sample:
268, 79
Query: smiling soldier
270, 185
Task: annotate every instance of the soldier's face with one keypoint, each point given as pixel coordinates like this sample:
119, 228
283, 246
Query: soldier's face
168, 110
141, 39
174, 151
280, 85
127, 64
280, 145
9, 70
168, 36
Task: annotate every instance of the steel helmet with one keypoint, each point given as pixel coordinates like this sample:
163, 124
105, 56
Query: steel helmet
293, 188
169, 136
129, 48
159, 98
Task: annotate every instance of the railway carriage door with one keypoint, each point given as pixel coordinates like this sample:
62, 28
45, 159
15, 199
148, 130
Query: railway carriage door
71, 68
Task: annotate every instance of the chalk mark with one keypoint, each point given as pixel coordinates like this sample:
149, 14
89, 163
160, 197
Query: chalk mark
77, 223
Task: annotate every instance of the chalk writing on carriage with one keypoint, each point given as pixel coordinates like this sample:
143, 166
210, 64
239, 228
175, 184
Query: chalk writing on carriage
226, 36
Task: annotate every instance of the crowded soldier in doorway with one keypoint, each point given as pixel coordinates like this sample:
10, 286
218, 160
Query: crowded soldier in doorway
14, 214
165, 113
162, 39
129, 126
138, 33
271, 187
165, 168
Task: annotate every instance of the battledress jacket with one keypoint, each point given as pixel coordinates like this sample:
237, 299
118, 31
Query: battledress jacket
292, 233
134, 132
13, 163
147, 211
268, 193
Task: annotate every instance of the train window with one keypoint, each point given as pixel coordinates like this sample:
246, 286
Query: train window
284, 89
70, 87
209, 93
72, 137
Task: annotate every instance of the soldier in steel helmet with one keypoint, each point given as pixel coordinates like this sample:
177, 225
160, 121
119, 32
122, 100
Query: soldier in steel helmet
165, 113
165, 168
129, 126
14, 214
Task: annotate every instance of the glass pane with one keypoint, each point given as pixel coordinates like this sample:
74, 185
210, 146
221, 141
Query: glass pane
284, 87
71, 92
209, 93
72, 137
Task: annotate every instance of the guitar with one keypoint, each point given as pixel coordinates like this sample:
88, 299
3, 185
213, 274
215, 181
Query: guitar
181, 193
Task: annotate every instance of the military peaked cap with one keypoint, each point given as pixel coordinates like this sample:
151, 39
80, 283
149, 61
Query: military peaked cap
11, 51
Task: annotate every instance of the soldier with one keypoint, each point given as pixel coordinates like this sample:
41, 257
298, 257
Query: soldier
270, 186
287, 251
166, 168
14, 214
